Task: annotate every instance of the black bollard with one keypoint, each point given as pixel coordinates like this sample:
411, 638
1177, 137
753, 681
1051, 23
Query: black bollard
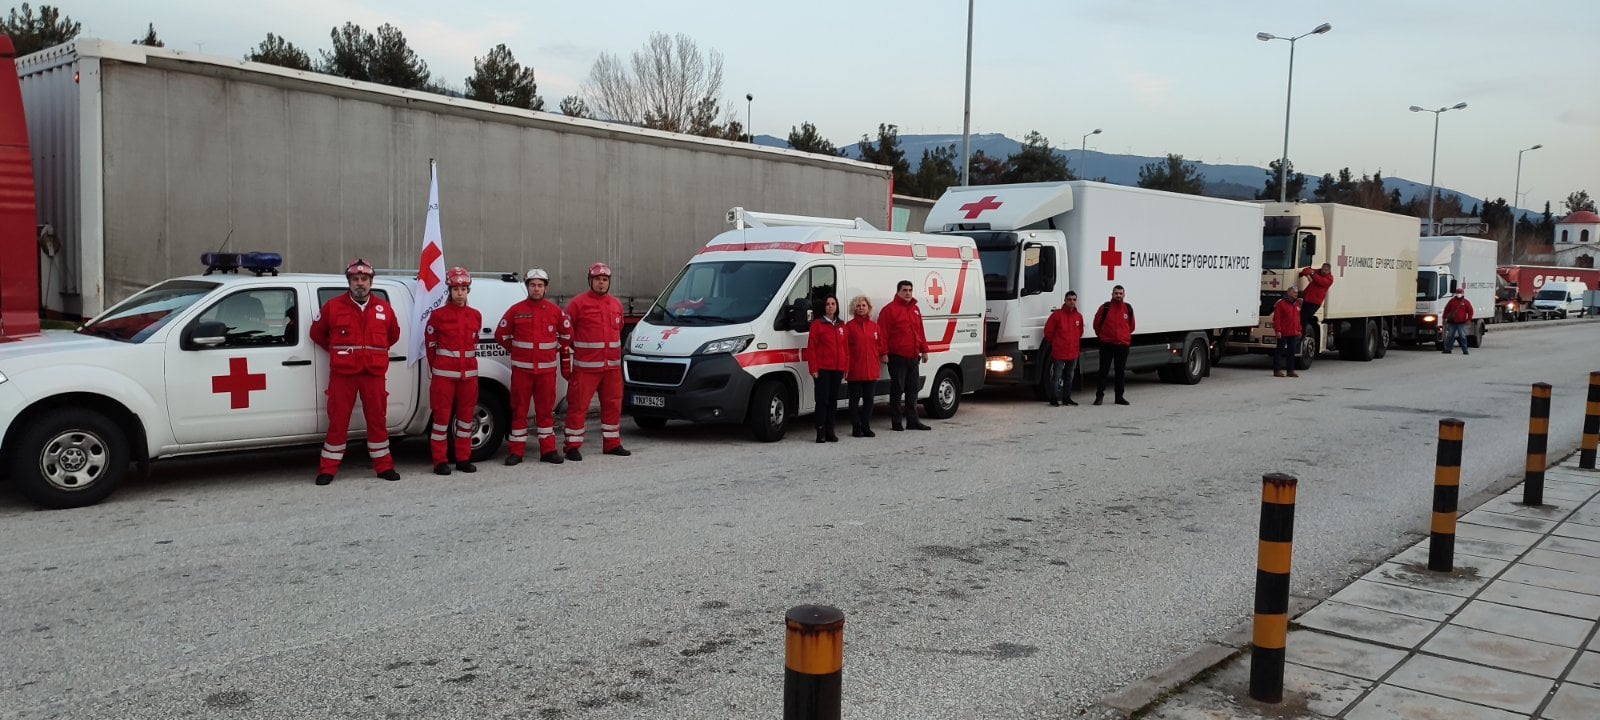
1273, 553
1446, 493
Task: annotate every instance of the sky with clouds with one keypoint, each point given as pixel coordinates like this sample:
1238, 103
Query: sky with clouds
1159, 76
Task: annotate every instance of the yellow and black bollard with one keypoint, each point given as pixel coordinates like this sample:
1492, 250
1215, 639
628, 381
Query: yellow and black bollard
1591, 424
1274, 550
1538, 443
1446, 493
813, 663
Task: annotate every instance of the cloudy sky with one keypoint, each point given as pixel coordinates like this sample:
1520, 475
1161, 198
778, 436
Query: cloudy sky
1180, 76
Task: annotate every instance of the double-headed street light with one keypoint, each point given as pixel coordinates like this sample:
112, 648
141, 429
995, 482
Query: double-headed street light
1283, 163
1514, 193
1083, 155
1433, 173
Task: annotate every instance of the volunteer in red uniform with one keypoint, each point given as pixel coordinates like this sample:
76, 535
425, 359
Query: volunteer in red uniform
1113, 326
538, 334
867, 353
901, 324
452, 347
1286, 322
1316, 291
1064, 332
1458, 315
827, 359
357, 329
596, 364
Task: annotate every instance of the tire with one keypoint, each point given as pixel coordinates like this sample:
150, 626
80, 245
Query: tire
1475, 339
1385, 338
491, 422
649, 422
1309, 348
945, 397
1368, 349
70, 458
1192, 370
770, 407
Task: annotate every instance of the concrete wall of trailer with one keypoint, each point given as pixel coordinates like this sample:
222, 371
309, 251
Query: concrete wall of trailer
148, 157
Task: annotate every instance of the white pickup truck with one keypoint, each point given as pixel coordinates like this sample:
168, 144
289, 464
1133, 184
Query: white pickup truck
209, 363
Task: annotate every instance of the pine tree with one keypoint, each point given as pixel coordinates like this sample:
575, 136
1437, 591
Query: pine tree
498, 78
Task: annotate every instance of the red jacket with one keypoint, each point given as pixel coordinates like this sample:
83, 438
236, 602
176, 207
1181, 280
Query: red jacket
536, 334
901, 324
867, 347
1458, 310
453, 340
1317, 285
357, 340
596, 332
1114, 325
826, 349
1286, 318
1064, 332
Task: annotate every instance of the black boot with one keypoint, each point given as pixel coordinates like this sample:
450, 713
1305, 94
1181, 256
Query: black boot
513, 460
828, 433
441, 469
552, 457
466, 467
574, 455
324, 479
390, 475
820, 438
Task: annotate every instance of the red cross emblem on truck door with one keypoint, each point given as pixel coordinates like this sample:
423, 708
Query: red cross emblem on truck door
1111, 258
973, 210
1344, 260
935, 286
238, 383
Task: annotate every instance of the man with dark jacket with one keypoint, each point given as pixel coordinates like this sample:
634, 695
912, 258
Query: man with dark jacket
901, 324
1457, 315
1113, 325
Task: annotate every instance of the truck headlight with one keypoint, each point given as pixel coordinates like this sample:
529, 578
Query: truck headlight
1430, 318
729, 345
998, 364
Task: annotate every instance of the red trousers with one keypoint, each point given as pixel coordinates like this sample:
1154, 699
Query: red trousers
452, 398
342, 392
540, 389
581, 388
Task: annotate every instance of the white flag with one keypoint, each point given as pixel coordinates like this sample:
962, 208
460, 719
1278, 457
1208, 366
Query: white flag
430, 292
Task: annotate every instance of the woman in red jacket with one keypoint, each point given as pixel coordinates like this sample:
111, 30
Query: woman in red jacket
825, 354
868, 352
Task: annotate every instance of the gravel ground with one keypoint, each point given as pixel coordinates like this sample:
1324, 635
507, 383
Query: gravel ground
1019, 561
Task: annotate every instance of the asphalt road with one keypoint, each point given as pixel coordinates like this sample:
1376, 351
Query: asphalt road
1019, 561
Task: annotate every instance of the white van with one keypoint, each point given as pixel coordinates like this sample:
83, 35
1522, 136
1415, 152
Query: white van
724, 343
1559, 299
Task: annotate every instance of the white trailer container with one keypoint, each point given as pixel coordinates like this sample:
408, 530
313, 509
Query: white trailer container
1188, 263
1373, 257
1444, 264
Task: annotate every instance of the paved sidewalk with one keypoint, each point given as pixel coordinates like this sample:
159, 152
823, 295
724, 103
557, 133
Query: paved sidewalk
1511, 633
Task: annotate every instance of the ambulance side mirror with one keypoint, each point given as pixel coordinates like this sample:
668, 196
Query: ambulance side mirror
796, 317
205, 334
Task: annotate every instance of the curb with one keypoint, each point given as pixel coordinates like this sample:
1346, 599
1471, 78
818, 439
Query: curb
1145, 692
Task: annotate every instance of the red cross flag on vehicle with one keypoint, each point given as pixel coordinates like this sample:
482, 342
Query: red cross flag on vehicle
431, 291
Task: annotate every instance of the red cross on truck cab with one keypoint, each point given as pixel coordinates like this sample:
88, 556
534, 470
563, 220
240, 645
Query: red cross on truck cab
974, 209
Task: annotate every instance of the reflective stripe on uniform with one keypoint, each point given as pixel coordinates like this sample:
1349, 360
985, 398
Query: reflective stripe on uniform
582, 364
439, 432
521, 345
548, 365
549, 345
545, 432
588, 345
379, 453
518, 435
523, 365
446, 373
610, 431
359, 347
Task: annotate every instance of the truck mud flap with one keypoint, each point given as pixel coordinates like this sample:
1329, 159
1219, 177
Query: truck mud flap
972, 372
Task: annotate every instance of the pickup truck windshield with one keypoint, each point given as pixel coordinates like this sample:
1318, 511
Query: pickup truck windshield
140, 316
725, 292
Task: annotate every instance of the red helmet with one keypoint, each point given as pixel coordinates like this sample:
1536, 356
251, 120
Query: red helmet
458, 277
359, 267
599, 269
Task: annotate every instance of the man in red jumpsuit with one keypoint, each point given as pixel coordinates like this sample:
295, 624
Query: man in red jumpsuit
357, 330
538, 334
452, 347
596, 364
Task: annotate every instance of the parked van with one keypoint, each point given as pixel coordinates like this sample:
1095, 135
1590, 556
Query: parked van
1559, 299
725, 342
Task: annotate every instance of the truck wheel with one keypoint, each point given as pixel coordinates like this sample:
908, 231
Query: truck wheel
769, 411
1194, 365
1385, 338
946, 395
491, 422
1309, 347
1475, 339
649, 422
70, 458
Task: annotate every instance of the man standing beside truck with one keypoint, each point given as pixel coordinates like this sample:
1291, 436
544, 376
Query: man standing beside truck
1113, 325
538, 335
1286, 323
1457, 316
596, 364
452, 347
357, 329
1064, 332
1316, 292
901, 323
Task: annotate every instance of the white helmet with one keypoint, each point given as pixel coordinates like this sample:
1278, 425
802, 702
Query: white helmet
536, 274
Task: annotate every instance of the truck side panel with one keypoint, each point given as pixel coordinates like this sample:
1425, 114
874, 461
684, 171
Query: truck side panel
1374, 256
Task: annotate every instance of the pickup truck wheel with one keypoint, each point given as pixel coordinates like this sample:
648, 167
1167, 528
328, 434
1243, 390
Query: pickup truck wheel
946, 395
70, 458
491, 421
769, 411
649, 422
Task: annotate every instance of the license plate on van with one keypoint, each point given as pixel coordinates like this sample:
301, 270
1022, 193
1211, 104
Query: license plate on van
655, 401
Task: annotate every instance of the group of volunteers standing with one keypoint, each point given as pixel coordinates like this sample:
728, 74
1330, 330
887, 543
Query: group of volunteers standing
582, 342
1291, 314
1113, 327
852, 352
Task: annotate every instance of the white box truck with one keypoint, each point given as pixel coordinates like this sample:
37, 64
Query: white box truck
1373, 256
1444, 264
725, 342
1188, 263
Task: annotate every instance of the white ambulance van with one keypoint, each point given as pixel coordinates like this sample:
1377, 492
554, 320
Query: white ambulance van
725, 343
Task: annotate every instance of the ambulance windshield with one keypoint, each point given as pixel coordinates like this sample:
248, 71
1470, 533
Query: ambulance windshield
724, 292
140, 316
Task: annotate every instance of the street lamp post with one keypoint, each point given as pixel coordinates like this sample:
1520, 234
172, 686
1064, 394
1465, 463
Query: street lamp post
966, 109
1283, 162
1514, 192
1433, 173
749, 99
1083, 154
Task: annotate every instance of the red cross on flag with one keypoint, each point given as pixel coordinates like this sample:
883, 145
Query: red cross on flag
430, 292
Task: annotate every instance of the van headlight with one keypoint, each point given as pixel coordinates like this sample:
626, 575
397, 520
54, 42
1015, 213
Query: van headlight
732, 345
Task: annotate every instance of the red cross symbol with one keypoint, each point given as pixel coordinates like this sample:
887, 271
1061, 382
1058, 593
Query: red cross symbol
1274, 282
430, 254
974, 209
239, 382
1344, 260
1111, 258
935, 290
669, 332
